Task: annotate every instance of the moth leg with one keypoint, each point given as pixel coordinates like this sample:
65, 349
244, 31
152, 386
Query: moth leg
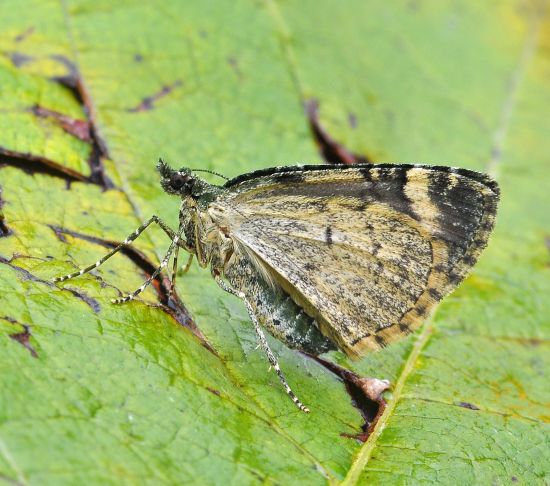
163, 264
175, 270
131, 237
263, 342
188, 264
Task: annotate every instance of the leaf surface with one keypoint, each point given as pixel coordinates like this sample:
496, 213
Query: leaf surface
94, 92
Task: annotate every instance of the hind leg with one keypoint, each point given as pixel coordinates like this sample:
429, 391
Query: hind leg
263, 342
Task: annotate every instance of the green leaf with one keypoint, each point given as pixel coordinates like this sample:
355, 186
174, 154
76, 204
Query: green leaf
94, 92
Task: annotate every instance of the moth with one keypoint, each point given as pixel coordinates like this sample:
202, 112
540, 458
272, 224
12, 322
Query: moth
330, 257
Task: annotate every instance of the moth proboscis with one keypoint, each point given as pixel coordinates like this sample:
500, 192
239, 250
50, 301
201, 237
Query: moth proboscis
326, 256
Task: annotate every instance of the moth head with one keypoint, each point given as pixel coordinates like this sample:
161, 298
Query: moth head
180, 181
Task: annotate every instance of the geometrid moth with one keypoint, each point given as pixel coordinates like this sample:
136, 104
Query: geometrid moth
329, 256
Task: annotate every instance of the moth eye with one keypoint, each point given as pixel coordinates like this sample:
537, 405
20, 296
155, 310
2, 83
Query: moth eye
177, 180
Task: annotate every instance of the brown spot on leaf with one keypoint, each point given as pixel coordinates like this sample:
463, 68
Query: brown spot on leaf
4, 230
19, 59
366, 395
99, 146
58, 233
32, 163
214, 391
332, 151
90, 301
23, 35
25, 274
83, 129
23, 338
148, 102
71, 78
77, 128
352, 119
235, 65
468, 405
32, 167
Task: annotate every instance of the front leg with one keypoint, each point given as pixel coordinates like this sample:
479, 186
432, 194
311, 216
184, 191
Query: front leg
129, 239
262, 340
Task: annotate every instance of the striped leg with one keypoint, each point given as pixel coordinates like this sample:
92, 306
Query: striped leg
163, 264
153, 219
175, 270
263, 343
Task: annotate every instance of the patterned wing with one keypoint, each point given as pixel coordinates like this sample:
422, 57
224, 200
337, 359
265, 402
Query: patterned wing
366, 250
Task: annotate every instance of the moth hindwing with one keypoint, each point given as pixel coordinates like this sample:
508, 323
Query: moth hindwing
327, 256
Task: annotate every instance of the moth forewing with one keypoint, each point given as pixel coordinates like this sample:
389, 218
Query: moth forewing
366, 250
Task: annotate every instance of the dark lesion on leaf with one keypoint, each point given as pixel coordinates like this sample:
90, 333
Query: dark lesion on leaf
213, 391
468, 405
77, 128
332, 151
23, 35
26, 275
22, 337
4, 230
71, 78
33, 164
89, 301
19, 59
99, 146
84, 130
366, 395
148, 103
234, 63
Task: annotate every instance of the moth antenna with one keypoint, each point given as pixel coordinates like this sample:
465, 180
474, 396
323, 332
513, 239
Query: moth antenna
211, 172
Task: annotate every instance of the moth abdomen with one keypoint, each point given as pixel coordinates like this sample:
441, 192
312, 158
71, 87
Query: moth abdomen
276, 310
292, 325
